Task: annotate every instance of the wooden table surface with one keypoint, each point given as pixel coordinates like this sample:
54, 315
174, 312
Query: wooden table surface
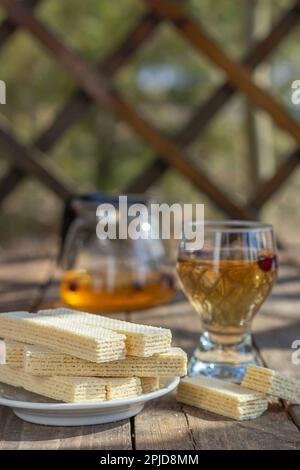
163, 424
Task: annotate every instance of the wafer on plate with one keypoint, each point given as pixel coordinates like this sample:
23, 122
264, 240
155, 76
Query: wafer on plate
273, 383
39, 361
14, 353
72, 389
220, 397
141, 340
150, 384
62, 333
118, 388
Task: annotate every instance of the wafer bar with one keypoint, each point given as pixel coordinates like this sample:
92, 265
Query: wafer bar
150, 384
72, 389
220, 397
61, 333
14, 353
67, 389
118, 388
141, 340
273, 383
39, 361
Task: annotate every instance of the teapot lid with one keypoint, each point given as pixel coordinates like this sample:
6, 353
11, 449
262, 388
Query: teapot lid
90, 201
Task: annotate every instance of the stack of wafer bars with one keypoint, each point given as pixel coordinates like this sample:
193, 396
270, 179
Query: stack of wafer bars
245, 401
76, 357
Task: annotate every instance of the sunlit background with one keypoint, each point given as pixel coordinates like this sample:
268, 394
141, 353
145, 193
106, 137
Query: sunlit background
166, 80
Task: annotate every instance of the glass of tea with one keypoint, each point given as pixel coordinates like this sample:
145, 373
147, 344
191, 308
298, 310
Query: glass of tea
113, 275
226, 281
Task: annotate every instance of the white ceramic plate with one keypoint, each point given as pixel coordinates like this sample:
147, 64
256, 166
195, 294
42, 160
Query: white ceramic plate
36, 409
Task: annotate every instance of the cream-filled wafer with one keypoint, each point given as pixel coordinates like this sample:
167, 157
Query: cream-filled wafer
61, 333
141, 340
239, 412
14, 353
150, 384
67, 389
273, 383
118, 388
39, 361
224, 398
73, 389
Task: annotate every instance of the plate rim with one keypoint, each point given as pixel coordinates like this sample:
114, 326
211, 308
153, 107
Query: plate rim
174, 381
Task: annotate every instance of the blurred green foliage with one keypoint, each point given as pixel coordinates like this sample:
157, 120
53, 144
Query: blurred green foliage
165, 80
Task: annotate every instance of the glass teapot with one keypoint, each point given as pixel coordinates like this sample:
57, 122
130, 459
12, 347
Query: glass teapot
111, 275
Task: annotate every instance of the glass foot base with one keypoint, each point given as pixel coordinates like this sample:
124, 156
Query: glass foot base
222, 362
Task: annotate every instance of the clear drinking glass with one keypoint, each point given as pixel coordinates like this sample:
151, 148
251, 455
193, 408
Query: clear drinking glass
226, 282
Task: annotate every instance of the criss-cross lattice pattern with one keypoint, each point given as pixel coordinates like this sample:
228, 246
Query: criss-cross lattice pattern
95, 85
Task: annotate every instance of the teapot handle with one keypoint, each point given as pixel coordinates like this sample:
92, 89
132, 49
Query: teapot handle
68, 249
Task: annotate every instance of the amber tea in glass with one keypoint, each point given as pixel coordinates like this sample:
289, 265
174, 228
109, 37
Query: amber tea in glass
227, 282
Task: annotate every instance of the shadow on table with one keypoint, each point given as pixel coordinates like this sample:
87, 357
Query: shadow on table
193, 428
110, 436
280, 336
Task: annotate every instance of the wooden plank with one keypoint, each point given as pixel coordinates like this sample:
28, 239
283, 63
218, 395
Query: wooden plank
238, 74
274, 337
96, 85
204, 113
278, 326
285, 298
157, 428
23, 270
29, 161
294, 412
163, 423
272, 431
16, 434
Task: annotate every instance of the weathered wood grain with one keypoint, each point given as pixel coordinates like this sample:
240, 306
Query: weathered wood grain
203, 430
22, 274
274, 337
270, 431
164, 423
16, 434
285, 298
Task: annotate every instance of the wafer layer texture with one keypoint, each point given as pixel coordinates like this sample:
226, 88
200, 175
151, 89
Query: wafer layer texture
63, 333
14, 353
271, 382
39, 361
141, 340
220, 397
73, 389
150, 384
